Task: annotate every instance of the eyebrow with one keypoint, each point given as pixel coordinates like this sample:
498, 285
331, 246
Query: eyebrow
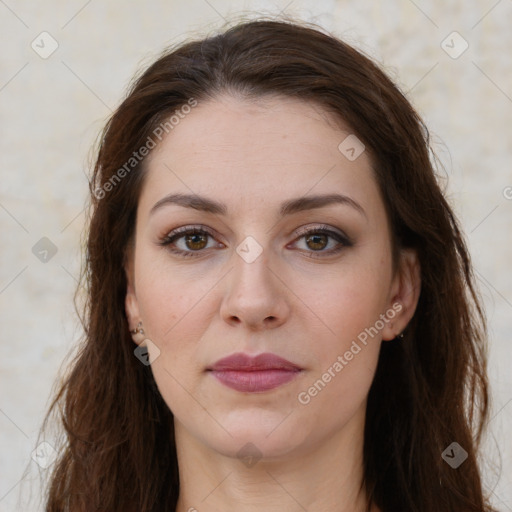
289, 207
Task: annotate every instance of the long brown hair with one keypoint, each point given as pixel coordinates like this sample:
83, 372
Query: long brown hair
430, 389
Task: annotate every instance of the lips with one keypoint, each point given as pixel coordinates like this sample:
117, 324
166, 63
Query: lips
254, 373
245, 362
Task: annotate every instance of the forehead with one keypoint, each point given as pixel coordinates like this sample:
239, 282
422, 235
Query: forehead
266, 149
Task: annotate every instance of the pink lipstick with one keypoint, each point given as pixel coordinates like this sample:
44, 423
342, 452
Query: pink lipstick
254, 373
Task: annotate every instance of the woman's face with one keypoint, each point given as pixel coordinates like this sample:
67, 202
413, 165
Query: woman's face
270, 270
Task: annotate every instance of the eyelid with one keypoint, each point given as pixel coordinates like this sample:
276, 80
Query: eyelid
304, 230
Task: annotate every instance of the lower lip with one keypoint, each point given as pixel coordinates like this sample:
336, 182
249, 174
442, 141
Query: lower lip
254, 381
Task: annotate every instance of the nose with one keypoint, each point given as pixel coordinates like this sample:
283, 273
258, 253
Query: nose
255, 296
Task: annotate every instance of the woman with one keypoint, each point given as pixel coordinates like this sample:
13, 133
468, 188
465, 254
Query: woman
281, 310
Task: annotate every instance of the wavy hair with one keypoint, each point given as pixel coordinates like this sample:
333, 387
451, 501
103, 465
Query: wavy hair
430, 389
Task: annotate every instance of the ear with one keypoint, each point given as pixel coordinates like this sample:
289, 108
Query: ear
131, 304
405, 292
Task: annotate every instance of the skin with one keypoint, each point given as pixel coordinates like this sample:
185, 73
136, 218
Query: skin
252, 155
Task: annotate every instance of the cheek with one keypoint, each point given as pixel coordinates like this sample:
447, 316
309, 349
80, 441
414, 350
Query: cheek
170, 298
350, 345
349, 303
177, 308
347, 300
346, 353
175, 318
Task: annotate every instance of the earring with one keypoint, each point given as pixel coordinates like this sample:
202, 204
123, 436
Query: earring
138, 329
401, 336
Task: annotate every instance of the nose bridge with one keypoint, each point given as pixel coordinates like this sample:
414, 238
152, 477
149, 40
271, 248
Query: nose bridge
254, 295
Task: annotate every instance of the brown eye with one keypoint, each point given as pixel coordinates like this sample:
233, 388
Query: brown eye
317, 241
191, 241
321, 241
196, 241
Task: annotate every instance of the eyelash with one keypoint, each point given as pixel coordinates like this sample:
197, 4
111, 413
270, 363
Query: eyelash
178, 233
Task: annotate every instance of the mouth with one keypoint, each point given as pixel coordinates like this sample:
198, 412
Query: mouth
254, 381
260, 373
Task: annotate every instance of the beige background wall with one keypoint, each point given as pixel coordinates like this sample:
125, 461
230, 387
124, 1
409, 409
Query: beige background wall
52, 108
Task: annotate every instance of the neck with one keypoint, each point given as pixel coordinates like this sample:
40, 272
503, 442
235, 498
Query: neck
324, 477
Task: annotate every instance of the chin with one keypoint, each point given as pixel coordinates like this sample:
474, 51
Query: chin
252, 448
252, 436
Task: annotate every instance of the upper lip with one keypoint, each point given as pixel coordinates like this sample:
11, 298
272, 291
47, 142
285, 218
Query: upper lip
245, 362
